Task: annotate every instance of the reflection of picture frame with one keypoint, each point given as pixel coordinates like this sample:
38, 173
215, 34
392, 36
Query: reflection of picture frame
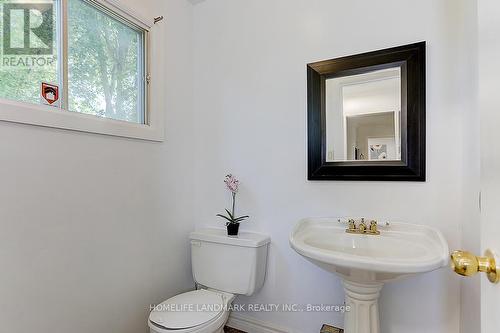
381, 149
377, 152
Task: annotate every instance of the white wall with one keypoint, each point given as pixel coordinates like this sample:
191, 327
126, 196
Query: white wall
470, 287
93, 228
250, 119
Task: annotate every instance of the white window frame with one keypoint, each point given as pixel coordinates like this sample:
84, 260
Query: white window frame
48, 116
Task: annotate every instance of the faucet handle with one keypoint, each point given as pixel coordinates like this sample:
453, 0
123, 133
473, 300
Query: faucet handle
351, 224
374, 227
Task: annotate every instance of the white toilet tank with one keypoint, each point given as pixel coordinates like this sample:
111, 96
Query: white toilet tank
235, 265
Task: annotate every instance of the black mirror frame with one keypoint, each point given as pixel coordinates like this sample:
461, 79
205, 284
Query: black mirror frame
411, 58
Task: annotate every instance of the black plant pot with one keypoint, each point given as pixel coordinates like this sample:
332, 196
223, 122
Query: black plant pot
232, 229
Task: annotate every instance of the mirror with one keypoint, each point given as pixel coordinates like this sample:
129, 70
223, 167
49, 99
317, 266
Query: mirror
366, 116
363, 115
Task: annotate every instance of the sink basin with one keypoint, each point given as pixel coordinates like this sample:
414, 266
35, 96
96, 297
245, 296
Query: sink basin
401, 249
366, 262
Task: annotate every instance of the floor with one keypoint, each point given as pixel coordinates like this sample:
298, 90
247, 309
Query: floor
232, 330
330, 329
324, 329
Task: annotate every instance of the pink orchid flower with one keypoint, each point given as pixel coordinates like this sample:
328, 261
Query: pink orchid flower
232, 185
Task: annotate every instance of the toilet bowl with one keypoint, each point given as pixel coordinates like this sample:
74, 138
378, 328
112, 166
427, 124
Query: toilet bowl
224, 267
199, 311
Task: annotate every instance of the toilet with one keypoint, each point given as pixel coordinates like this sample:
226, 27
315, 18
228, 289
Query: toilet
223, 267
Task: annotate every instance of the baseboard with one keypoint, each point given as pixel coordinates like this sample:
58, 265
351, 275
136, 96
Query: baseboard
252, 325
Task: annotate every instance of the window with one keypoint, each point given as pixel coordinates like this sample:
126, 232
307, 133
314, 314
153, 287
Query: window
89, 56
105, 64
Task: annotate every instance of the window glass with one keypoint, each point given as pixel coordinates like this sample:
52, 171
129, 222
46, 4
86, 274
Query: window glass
105, 64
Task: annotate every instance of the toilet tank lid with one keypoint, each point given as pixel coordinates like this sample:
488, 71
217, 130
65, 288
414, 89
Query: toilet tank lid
216, 235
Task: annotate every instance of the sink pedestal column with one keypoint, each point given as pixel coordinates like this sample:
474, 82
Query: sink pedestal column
363, 302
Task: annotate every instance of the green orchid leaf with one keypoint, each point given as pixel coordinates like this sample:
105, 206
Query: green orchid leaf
229, 213
241, 218
225, 217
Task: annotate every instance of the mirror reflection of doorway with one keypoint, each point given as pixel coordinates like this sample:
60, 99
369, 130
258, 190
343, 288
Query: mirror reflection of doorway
364, 131
363, 106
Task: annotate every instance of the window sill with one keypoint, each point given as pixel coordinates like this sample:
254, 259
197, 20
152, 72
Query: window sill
47, 116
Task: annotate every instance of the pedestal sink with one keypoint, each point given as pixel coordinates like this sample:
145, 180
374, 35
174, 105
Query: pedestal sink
366, 262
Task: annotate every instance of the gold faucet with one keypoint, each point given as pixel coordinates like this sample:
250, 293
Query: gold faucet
362, 227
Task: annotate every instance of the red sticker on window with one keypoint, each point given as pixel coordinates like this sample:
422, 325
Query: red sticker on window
50, 93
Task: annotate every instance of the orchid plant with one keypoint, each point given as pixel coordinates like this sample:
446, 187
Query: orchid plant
232, 185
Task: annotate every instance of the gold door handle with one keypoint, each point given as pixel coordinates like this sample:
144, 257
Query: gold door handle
466, 264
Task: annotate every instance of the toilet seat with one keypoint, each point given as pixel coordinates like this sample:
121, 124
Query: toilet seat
194, 311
